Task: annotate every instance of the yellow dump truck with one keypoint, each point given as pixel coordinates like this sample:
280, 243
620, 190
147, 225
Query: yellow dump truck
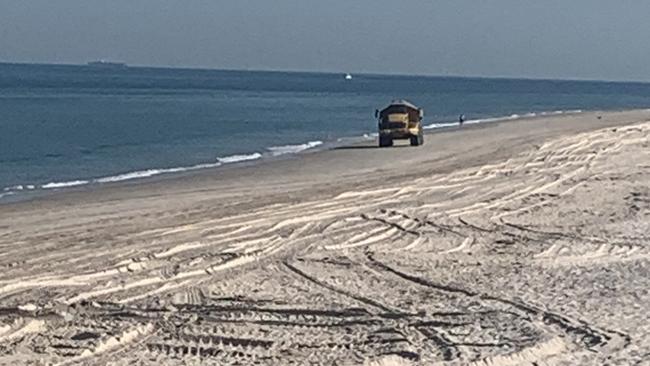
401, 120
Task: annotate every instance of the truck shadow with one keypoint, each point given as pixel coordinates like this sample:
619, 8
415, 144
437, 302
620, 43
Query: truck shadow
364, 147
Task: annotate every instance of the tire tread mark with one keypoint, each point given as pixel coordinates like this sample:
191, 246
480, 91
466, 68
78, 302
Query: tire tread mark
419, 280
588, 335
339, 291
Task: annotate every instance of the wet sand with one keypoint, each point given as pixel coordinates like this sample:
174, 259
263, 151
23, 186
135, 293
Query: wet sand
523, 242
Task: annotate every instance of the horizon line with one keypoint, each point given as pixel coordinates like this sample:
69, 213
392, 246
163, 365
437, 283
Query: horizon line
331, 72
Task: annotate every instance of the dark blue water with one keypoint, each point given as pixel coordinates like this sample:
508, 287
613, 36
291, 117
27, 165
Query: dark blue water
79, 124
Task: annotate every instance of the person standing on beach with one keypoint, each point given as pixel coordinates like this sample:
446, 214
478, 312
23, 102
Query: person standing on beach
461, 119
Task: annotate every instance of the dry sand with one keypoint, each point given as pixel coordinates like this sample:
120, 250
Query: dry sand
524, 242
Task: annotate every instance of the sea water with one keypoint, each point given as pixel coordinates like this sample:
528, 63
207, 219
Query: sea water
69, 126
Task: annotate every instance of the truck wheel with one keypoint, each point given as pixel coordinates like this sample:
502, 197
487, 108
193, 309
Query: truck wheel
385, 141
421, 138
415, 140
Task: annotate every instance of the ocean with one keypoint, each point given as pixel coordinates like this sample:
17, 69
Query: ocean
63, 125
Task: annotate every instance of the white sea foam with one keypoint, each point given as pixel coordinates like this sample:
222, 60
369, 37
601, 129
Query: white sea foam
152, 172
131, 175
293, 149
440, 125
13, 188
5, 194
494, 119
19, 187
513, 117
239, 158
72, 183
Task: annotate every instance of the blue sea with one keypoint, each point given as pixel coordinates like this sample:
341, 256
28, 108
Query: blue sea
63, 125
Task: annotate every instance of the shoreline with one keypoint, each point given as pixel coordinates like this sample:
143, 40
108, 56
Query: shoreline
30, 192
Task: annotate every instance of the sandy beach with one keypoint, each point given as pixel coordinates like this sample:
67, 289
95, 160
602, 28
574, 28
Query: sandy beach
522, 242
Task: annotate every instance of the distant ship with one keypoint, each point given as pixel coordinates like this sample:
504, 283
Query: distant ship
107, 64
348, 77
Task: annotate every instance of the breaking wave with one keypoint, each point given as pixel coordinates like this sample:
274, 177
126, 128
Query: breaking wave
8, 193
293, 149
152, 172
72, 183
19, 187
239, 158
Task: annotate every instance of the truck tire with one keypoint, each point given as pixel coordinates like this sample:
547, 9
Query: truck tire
415, 140
385, 141
421, 138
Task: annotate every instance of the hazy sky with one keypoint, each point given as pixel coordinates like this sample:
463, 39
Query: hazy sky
594, 39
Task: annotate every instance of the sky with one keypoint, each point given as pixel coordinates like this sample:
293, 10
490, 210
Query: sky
564, 39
